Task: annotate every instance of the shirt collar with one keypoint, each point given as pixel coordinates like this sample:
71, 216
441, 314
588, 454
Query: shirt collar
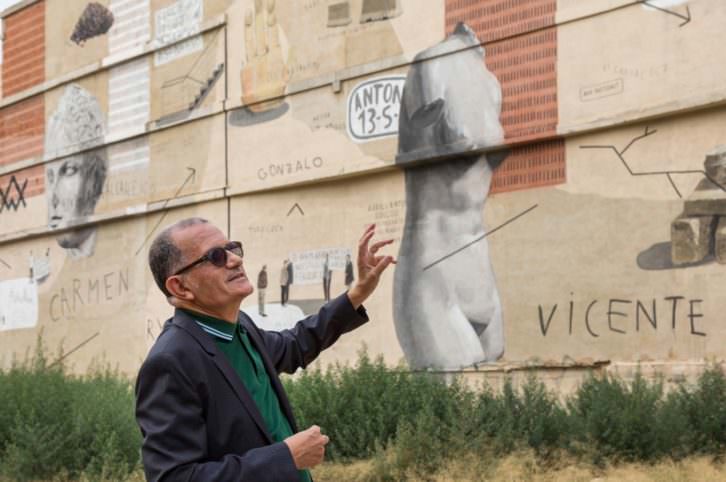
216, 327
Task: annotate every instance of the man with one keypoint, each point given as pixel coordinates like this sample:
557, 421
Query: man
349, 276
290, 279
261, 288
284, 283
327, 278
209, 401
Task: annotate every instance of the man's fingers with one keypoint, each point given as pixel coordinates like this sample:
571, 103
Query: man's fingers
380, 244
371, 228
367, 236
382, 265
363, 244
326, 439
377, 259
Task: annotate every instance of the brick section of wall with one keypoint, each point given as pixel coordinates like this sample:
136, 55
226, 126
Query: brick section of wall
526, 66
534, 165
24, 49
21, 185
495, 19
21, 130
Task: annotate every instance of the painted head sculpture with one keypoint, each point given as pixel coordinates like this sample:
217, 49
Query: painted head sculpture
75, 183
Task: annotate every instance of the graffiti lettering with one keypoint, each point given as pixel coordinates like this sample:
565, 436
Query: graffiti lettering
262, 228
105, 288
127, 187
153, 328
373, 108
616, 314
286, 168
10, 200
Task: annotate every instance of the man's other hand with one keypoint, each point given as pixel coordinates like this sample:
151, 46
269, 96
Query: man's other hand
307, 447
370, 267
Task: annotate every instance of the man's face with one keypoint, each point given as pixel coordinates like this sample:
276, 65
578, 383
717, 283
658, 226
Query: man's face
213, 287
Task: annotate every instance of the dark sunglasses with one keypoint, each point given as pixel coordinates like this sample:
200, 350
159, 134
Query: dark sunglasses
217, 256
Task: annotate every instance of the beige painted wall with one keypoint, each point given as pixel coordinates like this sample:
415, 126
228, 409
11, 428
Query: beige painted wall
269, 155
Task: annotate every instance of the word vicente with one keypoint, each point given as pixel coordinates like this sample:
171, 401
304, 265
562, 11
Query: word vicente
615, 315
105, 288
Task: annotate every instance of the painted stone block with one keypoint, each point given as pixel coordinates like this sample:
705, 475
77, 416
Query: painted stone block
720, 241
709, 197
715, 165
691, 239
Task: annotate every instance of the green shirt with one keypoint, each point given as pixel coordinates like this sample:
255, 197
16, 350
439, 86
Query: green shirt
234, 342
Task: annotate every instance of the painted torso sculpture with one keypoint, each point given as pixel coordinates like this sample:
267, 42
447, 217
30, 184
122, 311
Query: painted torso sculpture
447, 311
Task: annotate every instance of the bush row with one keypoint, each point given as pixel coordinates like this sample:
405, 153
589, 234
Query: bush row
416, 422
55, 425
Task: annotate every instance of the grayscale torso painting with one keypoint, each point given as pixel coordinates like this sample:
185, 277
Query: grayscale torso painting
447, 310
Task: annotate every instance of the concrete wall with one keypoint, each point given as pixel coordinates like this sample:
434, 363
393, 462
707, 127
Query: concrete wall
549, 170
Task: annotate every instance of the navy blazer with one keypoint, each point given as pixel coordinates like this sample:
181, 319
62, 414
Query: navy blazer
199, 422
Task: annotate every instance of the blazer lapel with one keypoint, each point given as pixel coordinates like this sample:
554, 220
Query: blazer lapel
269, 367
188, 324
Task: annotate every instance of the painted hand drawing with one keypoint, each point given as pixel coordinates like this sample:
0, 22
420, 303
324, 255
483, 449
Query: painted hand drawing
448, 316
74, 183
265, 74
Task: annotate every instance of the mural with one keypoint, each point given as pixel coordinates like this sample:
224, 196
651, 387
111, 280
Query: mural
94, 21
191, 84
447, 310
75, 183
550, 207
132, 26
264, 74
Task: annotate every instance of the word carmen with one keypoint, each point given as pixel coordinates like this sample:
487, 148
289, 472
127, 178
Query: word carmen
615, 315
93, 291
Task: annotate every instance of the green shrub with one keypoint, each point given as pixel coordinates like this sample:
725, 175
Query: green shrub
411, 422
705, 408
362, 407
55, 424
673, 431
539, 418
619, 419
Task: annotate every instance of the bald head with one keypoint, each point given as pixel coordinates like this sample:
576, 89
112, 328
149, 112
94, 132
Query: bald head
165, 255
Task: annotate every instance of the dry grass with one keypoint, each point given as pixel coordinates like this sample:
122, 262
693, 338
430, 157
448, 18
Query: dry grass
523, 467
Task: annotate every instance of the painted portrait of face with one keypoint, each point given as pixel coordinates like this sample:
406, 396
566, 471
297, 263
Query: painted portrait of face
75, 183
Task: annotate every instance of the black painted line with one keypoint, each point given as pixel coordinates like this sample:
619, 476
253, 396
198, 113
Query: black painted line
166, 203
80, 345
480, 237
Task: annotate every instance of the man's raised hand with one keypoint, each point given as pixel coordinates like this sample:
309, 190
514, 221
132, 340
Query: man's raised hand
370, 266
